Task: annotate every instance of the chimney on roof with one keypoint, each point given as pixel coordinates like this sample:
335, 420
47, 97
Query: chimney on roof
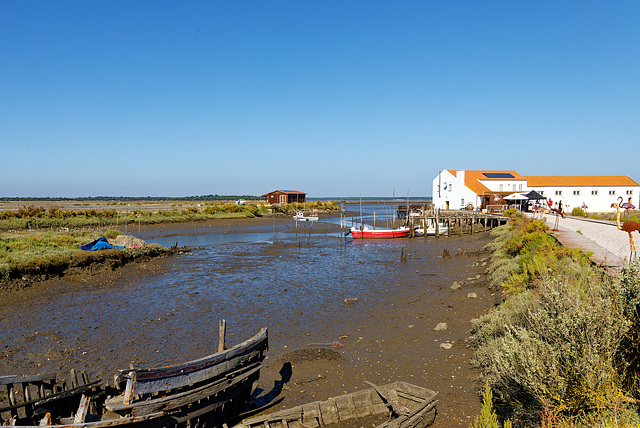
460, 175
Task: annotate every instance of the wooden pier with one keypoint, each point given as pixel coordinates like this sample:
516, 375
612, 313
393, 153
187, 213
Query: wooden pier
435, 222
451, 223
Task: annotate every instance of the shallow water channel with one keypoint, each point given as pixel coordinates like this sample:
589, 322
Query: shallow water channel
306, 285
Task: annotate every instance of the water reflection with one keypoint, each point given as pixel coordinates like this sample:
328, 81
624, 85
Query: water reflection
372, 214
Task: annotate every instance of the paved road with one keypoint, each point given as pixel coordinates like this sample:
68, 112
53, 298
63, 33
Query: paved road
609, 245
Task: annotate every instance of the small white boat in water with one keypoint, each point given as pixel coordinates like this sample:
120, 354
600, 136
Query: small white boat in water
431, 230
300, 216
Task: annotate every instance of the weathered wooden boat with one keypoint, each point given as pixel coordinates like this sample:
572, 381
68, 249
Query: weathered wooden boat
205, 393
398, 405
365, 232
29, 399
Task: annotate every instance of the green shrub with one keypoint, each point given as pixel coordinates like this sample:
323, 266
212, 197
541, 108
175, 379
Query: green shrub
556, 344
509, 212
111, 233
578, 212
564, 347
488, 418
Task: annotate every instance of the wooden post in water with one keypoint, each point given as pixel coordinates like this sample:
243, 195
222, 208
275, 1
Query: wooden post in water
222, 331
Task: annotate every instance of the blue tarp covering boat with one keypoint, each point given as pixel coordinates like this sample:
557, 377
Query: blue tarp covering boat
99, 244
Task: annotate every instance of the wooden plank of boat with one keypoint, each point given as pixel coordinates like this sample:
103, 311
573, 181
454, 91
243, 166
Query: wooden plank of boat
413, 407
150, 420
31, 397
175, 401
213, 387
162, 379
203, 392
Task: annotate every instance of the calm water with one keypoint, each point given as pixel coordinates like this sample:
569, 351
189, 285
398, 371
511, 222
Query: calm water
380, 215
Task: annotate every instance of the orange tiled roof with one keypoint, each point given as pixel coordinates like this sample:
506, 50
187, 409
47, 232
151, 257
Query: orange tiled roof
580, 181
472, 179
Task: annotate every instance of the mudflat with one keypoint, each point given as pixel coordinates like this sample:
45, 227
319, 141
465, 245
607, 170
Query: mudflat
323, 341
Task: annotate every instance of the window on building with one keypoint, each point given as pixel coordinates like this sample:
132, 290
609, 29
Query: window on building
594, 193
501, 187
629, 192
612, 192
541, 192
462, 202
576, 193
558, 192
450, 186
520, 187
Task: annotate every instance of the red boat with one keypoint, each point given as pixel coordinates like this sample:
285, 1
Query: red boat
401, 232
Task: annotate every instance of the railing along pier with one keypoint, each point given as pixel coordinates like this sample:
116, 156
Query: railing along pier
440, 222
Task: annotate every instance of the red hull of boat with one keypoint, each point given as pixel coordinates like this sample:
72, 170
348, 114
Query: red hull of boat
379, 233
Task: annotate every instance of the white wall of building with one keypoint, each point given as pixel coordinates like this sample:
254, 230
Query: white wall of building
597, 199
450, 192
511, 186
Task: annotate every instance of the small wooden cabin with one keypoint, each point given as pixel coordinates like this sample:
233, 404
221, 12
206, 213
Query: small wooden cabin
285, 197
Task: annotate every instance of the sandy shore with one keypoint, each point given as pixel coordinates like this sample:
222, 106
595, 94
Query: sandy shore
391, 338
395, 340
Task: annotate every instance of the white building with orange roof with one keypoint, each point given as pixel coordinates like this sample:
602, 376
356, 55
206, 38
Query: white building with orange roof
458, 189
596, 192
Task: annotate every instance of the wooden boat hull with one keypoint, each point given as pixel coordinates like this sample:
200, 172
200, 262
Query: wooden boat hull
414, 407
366, 233
205, 392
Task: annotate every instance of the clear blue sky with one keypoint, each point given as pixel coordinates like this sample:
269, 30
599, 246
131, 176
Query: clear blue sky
332, 98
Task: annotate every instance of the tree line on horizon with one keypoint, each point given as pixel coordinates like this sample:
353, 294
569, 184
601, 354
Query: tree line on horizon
133, 198
196, 198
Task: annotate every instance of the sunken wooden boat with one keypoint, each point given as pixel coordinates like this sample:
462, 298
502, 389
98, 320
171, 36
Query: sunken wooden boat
206, 392
28, 400
397, 404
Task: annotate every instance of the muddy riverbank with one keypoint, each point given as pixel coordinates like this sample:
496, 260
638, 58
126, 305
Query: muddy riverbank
339, 314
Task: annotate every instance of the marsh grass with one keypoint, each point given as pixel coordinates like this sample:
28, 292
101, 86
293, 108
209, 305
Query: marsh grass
32, 218
35, 218
563, 349
49, 252
523, 252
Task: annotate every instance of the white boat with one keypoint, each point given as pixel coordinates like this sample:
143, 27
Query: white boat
431, 230
300, 216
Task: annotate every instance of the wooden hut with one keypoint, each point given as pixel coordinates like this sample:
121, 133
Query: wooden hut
285, 197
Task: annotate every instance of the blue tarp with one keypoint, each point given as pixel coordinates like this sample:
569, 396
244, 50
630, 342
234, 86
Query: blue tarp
99, 244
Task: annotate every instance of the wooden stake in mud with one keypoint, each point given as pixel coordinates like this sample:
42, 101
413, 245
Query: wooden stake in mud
222, 334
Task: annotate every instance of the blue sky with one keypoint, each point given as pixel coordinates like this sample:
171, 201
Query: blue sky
332, 98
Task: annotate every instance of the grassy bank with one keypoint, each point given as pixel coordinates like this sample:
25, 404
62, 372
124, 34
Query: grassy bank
27, 257
37, 242
562, 349
53, 217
